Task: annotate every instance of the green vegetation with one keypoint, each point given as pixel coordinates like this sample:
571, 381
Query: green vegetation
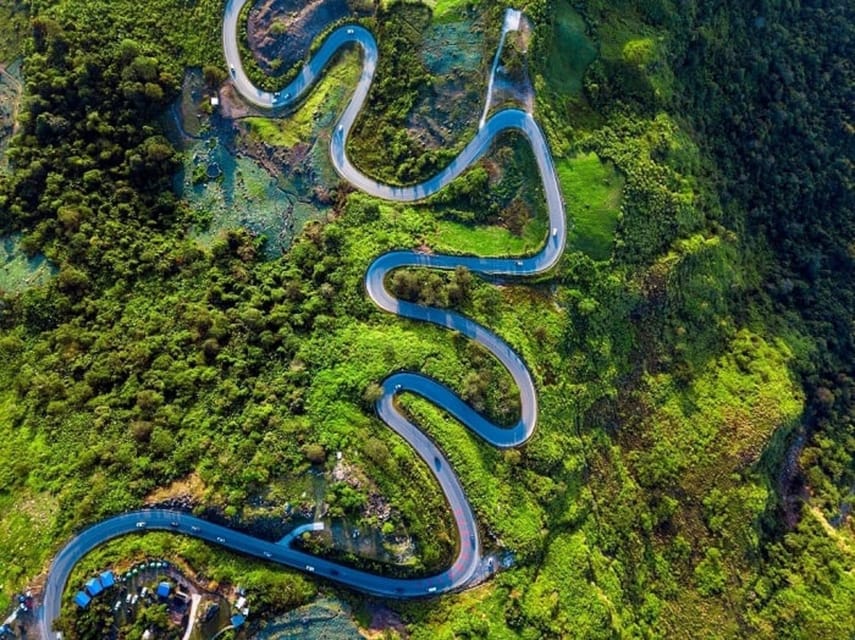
327, 97
592, 192
570, 51
14, 22
692, 471
447, 9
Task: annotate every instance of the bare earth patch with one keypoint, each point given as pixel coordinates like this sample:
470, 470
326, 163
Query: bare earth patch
190, 489
280, 32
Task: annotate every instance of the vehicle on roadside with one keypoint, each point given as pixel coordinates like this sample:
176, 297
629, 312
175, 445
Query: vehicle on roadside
220, 539
267, 554
310, 568
140, 525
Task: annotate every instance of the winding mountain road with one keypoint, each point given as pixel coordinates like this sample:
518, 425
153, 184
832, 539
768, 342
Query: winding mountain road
469, 564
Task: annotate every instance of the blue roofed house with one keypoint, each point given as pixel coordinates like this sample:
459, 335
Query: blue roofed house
94, 587
107, 579
163, 590
82, 599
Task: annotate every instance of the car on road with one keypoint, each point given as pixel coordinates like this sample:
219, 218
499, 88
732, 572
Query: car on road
173, 524
519, 263
220, 539
431, 589
554, 231
437, 463
140, 525
232, 69
267, 554
194, 528
340, 128
472, 539
310, 568
350, 32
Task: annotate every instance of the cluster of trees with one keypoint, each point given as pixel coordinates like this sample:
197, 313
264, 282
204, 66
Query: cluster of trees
89, 154
774, 100
431, 288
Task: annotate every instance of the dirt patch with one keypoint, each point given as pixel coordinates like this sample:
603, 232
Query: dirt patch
383, 620
280, 32
454, 54
190, 489
512, 83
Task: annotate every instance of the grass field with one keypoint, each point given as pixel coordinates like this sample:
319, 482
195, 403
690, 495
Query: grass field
326, 97
454, 237
570, 52
446, 9
592, 191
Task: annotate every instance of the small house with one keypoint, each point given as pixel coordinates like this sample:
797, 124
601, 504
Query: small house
164, 589
94, 587
82, 599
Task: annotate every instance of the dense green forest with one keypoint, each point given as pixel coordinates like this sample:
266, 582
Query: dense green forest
694, 466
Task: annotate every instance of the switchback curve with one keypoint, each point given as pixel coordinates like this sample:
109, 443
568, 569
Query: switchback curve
468, 563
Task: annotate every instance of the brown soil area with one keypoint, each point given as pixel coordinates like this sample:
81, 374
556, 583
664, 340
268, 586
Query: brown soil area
281, 31
190, 489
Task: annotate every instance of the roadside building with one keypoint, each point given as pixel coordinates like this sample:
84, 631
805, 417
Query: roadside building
82, 599
94, 587
107, 579
163, 590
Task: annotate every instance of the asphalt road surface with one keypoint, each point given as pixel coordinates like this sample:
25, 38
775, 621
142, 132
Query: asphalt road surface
469, 564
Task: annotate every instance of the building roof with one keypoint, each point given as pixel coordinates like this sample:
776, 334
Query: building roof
238, 620
94, 587
107, 579
163, 589
82, 600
